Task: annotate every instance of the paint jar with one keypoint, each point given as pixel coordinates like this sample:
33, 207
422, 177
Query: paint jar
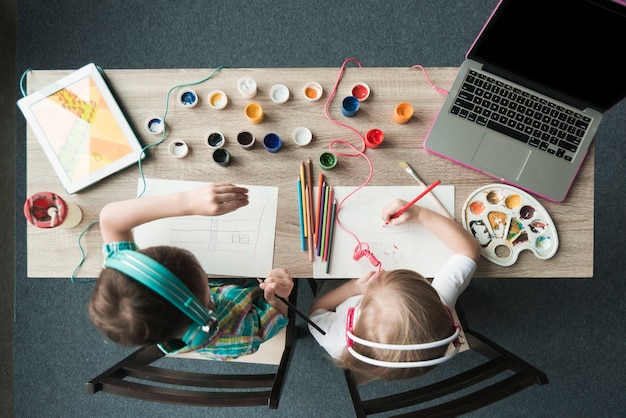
374, 138
178, 148
254, 113
246, 86
328, 161
215, 139
245, 139
313, 91
403, 113
349, 106
272, 142
302, 136
360, 90
279, 93
49, 210
154, 125
221, 157
218, 99
187, 98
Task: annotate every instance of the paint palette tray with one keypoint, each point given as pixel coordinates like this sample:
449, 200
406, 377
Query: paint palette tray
506, 220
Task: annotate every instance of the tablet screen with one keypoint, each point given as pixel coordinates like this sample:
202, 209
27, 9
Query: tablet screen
81, 128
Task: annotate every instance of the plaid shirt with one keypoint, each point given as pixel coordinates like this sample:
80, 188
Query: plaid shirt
245, 318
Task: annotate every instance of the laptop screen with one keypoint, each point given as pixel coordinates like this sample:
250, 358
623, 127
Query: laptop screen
562, 48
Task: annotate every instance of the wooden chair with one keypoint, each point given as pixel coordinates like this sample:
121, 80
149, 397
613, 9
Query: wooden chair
227, 384
452, 388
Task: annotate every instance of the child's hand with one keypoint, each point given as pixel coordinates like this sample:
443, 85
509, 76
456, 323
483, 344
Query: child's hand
363, 282
216, 199
278, 282
393, 207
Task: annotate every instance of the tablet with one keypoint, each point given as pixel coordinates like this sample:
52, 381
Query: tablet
81, 128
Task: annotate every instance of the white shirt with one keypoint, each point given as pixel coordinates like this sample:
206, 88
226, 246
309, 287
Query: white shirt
449, 282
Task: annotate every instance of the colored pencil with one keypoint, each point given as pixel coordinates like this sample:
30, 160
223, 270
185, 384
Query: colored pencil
328, 223
324, 223
413, 174
301, 215
310, 237
303, 180
309, 207
320, 182
412, 202
319, 220
333, 218
309, 182
296, 310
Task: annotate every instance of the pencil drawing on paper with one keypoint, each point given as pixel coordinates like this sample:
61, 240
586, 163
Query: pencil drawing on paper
407, 245
239, 243
219, 234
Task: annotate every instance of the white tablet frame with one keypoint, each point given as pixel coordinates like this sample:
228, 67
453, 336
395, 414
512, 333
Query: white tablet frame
52, 136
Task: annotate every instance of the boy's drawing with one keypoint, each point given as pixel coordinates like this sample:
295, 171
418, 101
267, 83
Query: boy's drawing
240, 243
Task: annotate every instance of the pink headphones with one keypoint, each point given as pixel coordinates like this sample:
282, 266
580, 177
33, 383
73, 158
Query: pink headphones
351, 339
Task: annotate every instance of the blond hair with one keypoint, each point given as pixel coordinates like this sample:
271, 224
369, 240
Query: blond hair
399, 307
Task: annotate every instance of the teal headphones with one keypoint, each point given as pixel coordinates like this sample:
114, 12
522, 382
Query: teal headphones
158, 278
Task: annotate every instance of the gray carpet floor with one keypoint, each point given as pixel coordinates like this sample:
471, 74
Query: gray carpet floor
572, 329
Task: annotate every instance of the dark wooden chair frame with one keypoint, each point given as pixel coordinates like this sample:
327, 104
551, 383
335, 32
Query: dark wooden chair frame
498, 362
198, 389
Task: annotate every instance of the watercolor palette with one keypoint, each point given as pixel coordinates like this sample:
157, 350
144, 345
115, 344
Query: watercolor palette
506, 220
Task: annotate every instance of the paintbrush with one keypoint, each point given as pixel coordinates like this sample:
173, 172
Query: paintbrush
413, 174
296, 310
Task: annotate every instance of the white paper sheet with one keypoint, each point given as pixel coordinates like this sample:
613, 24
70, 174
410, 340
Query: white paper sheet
408, 246
240, 243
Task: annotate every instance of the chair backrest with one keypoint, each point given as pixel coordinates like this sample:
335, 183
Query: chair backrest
230, 383
484, 374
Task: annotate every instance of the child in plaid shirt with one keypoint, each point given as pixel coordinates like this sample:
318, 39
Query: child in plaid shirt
129, 313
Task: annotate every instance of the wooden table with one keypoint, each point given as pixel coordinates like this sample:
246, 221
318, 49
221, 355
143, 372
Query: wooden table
55, 253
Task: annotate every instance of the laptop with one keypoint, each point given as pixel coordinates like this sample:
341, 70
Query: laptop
532, 90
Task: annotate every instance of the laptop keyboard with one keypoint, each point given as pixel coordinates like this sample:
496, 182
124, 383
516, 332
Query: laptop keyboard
519, 114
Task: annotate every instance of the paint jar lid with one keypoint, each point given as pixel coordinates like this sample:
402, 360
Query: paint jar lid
302, 136
254, 113
187, 98
178, 148
215, 139
328, 160
218, 99
272, 142
313, 91
221, 157
246, 86
154, 125
403, 113
374, 138
360, 90
279, 93
246, 139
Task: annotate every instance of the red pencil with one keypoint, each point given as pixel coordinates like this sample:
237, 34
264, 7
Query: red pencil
412, 202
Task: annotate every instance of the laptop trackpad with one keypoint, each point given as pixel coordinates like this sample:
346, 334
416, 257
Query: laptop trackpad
500, 158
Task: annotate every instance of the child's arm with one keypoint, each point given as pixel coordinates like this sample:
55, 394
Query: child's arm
278, 282
329, 301
447, 230
117, 219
